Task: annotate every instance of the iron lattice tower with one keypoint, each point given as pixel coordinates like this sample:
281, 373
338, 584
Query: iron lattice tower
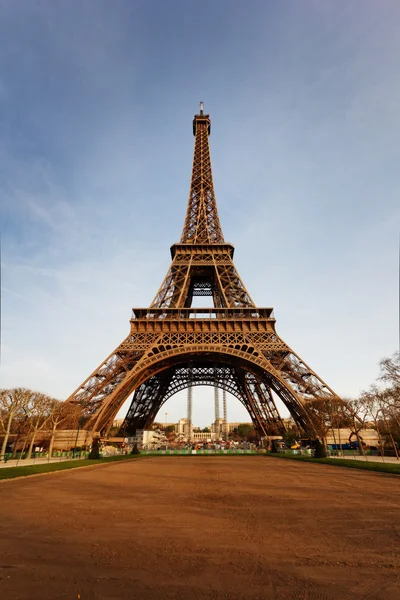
172, 346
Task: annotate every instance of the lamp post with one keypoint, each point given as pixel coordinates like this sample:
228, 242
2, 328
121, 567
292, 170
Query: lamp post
80, 422
76, 440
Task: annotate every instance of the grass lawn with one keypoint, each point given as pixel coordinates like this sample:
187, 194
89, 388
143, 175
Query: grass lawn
11, 472
344, 462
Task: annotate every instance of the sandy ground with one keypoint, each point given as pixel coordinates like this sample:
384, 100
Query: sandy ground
187, 528
44, 461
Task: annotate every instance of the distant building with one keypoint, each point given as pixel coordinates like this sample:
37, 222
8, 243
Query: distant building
232, 426
148, 439
65, 439
203, 436
182, 426
344, 436
289, 423
219, 430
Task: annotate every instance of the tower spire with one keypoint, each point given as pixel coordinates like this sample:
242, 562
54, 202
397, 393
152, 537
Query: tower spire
202, 224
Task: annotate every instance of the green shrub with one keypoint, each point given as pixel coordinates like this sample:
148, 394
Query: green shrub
135, 449
95, 451
320, 450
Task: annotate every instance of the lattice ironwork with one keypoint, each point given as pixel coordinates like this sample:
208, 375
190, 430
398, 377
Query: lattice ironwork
250, 389
233, 345
202, 224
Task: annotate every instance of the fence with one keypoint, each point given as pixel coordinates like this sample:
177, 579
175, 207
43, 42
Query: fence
187, 451
57, 455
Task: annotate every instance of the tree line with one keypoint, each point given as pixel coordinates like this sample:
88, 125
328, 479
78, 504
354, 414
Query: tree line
378, 406
27, 417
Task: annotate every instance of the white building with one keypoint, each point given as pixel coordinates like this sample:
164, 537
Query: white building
148, 439
218, 428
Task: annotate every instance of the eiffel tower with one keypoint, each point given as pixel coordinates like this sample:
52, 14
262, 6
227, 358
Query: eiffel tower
172, 345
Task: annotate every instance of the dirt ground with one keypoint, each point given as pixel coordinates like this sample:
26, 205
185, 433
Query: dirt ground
187, 528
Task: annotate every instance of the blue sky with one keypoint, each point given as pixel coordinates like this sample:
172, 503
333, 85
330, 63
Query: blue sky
96, 103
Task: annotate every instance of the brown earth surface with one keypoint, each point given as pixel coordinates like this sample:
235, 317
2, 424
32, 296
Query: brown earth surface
187, 528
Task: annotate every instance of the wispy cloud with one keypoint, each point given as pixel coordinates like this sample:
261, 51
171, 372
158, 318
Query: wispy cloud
4, 289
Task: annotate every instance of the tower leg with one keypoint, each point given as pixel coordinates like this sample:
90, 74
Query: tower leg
145, 404
216, 407
189, 412
224, 405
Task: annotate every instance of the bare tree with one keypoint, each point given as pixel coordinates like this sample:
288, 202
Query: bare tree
321, 412
357, 414
390, 370
339, 419
390, 374
373, 407
12, 402
390, 412
61, 413
3, 415
39, 411
390, 398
